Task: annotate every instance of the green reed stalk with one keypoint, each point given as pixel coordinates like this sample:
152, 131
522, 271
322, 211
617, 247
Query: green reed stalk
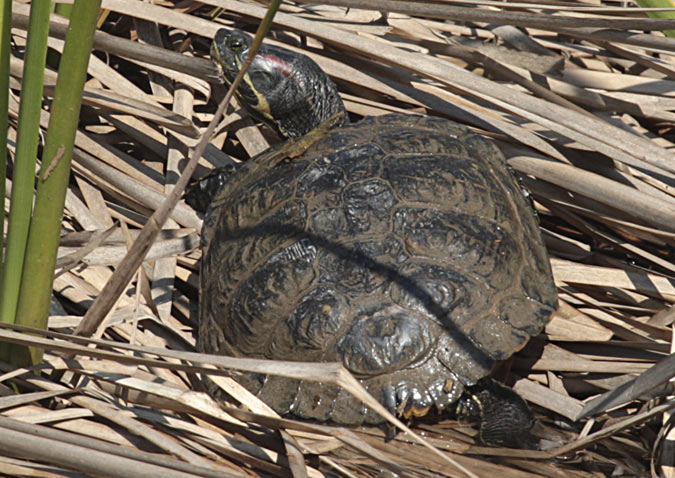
64, 9
43, 238
660, 4
5, 30
23, 177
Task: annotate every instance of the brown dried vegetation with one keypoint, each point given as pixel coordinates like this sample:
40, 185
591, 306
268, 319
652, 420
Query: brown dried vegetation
580, 97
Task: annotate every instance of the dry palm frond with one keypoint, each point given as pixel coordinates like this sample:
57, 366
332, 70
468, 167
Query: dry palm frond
580, 97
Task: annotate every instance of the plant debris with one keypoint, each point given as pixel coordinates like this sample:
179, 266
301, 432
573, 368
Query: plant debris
580, 96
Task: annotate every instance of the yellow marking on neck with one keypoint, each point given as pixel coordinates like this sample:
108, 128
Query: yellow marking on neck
263, 107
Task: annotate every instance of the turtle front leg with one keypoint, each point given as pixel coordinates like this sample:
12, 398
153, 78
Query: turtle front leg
200, 193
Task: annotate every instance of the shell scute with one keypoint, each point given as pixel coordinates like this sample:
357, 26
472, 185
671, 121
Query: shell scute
367, 207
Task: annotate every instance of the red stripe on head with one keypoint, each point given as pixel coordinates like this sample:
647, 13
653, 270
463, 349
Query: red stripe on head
280, 65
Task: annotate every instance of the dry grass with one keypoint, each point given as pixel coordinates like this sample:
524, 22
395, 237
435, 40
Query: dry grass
581, 98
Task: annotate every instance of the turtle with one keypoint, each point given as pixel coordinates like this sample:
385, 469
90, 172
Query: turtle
401, 246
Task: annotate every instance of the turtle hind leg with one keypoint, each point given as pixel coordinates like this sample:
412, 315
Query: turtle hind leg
505, 419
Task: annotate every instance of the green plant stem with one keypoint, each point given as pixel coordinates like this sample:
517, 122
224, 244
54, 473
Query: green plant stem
665, 14
26, 150
5, 38
64, 9
43, 238
53, 56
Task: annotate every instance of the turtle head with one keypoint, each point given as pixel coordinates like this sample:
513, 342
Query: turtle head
285, 89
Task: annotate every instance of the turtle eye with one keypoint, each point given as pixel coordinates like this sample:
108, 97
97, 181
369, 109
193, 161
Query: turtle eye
236, 44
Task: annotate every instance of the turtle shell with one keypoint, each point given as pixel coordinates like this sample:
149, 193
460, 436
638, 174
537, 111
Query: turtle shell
401, 246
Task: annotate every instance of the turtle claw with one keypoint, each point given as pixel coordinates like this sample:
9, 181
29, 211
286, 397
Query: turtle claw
390, 431
408, 403
417, 411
